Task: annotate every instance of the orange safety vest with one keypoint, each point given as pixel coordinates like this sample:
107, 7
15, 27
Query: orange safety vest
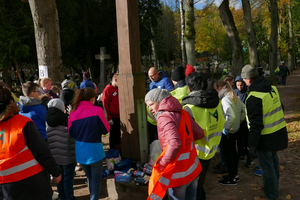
182, 170
16, 160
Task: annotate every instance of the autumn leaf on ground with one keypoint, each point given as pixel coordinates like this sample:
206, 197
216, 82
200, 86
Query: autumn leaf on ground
281, 168
288, 196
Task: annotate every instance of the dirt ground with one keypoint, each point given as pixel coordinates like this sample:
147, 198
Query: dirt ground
250, 186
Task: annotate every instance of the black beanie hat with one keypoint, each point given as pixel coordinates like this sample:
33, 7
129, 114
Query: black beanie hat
178, 74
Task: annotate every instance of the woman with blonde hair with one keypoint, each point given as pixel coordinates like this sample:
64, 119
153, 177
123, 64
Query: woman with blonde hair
86, 124
234, 113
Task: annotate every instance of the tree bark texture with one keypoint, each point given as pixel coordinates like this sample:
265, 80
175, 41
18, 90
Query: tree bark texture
47, 36
153, 48
291, 40
233, 35
88, 54
190, 33
273, 38
250, 33
182, 21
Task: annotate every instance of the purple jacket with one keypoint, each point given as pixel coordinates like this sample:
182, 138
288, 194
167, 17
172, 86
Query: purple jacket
168, 121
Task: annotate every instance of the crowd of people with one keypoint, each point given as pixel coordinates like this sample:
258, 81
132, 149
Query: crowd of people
48, 130
241, 116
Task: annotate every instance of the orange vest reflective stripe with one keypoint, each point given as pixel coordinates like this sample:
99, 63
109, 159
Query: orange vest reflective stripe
16, 160
185, 167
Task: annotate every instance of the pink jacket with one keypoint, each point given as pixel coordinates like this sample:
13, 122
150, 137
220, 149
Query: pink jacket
168, 121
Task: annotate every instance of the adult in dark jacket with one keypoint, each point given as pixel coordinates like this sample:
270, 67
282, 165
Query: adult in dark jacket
33, 182
283, 71
267, 132
62, 147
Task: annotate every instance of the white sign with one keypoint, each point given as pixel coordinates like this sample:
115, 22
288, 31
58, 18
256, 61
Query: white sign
43, 71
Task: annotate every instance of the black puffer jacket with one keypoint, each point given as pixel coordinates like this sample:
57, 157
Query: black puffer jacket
201, 98
62, 146
270, 142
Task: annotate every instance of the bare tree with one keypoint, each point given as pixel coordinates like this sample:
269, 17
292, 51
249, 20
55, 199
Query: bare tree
182, 21
47, 36
250, 33
233, 35
273, 38
291, 40
189, 33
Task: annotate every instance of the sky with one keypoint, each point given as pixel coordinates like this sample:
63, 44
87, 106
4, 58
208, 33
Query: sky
200, 4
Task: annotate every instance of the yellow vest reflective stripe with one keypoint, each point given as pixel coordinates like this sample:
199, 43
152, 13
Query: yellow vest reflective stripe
273, 117
212, 122
179, 93
150, 118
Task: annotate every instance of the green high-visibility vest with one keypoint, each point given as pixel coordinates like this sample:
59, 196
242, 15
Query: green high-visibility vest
212, 122
179, 93
150, 118
273, 117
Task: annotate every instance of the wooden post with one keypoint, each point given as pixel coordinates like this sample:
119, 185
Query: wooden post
131, 83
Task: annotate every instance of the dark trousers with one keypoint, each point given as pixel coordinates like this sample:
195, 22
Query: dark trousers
152, 131
115, 134
268, 163
200, 190
283, 80
242, 139
231, 156
65, 186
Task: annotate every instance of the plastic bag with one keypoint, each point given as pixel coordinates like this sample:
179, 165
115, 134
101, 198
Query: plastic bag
155, 151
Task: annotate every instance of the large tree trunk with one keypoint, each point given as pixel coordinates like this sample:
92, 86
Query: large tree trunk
250, 33
189, 33
88, 54
182, 21
233, 35
291, 37
153, 48
273, 38
47, 36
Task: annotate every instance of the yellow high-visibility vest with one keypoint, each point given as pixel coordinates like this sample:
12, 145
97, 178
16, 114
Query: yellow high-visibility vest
179, 93
212, 121
273, 117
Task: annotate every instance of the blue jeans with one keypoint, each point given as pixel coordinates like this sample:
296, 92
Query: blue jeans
94, 175
268, 163
184, 192
65, 186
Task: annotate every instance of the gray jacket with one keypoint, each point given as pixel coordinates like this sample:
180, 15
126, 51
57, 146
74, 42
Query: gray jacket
62, 146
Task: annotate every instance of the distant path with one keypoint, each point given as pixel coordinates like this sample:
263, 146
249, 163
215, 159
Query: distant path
289, 93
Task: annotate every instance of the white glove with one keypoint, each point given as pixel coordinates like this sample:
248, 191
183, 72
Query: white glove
99, 97
110, 122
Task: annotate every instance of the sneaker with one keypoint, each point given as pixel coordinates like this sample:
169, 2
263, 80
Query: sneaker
258, 173
228, 182
236, 178
217, 166
249, 163
222, 170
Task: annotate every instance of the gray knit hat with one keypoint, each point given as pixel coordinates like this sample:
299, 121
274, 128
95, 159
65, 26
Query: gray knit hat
249, 72
56, 103
157, 95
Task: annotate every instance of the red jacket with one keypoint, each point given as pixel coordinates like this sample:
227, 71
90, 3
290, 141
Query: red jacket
167, 126
110, 101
